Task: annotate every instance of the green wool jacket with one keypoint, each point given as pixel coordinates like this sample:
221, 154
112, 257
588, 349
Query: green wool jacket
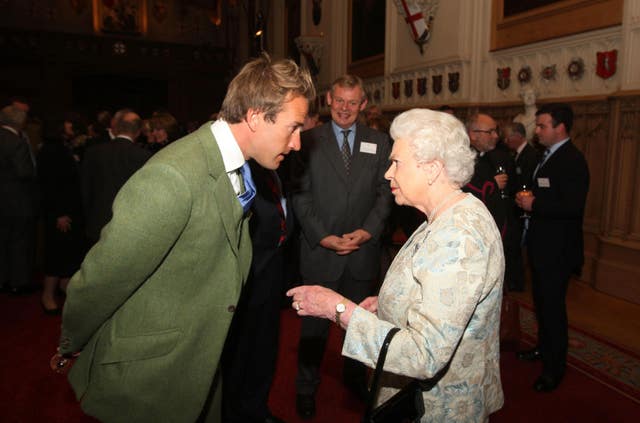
151, 305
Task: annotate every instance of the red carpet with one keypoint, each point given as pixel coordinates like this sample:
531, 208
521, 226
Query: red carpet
596, 357
31, 393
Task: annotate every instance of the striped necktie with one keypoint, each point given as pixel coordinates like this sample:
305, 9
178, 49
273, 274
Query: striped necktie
346, 151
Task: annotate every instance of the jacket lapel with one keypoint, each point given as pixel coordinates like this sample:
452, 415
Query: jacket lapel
230, 211
359, 160
329, 146
229, 208
558, 153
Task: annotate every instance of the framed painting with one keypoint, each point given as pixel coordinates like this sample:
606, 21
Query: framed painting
120, 16
520, 22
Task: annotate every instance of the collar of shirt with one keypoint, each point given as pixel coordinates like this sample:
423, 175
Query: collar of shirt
126, 137
337, 131
9, 128
232, 156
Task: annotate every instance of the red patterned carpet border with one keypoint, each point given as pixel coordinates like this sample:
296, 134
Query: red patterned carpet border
599, 359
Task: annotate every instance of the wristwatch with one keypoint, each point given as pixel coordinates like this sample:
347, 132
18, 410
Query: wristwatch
340, 308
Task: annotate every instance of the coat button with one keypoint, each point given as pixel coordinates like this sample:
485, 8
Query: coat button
231, 308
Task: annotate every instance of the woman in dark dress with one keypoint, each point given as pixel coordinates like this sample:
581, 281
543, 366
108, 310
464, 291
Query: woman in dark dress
61, 204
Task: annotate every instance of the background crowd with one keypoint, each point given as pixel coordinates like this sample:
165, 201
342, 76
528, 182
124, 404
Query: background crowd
61, 197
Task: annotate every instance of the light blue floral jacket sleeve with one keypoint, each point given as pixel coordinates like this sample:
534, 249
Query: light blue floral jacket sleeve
444, 290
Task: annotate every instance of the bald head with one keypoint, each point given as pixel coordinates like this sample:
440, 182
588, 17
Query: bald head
128, 123
13, 116
483, 132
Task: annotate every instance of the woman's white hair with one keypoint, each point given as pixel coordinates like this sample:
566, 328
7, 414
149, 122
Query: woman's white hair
439, 136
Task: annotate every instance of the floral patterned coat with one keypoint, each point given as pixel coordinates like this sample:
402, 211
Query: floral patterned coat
444, 290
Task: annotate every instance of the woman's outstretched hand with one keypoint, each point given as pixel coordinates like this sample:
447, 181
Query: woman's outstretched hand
315, 301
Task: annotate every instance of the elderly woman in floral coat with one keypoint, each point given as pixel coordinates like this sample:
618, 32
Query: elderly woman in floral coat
443, 289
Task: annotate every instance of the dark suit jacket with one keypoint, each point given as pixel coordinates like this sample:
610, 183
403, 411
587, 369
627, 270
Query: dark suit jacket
105, 169
267, 265
327, 201
101, 138
17, 177
526, 163
59, 181
555, 227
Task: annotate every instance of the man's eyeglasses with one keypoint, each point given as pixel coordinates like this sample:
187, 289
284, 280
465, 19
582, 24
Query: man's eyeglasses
486, 131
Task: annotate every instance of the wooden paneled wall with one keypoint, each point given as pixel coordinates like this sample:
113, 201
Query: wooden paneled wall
617, 245
607, 131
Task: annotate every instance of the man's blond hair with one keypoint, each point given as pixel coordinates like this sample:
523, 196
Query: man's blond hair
265, 85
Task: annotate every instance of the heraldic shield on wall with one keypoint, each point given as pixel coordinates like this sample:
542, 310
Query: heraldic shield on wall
606, 66
504, 78
419, 15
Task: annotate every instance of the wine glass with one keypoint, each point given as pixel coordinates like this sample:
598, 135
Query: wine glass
524, 192
500, 170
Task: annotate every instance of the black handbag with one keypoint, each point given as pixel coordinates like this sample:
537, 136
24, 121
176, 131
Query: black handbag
406, 406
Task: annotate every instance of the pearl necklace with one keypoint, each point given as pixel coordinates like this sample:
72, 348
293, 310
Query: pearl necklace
443, 202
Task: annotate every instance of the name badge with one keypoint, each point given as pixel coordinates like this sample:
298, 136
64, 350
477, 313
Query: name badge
368, 147
544, 183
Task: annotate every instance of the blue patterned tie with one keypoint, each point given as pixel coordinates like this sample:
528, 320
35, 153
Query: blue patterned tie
249, 189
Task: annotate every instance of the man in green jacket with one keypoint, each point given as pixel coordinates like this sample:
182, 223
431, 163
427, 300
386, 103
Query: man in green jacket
151, 305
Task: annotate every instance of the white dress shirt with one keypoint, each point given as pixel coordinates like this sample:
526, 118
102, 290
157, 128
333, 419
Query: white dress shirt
232, 156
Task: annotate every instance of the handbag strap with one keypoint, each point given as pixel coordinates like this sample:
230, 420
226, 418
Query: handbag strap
373, 392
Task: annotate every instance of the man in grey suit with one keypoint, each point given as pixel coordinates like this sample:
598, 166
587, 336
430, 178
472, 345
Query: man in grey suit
17, 202
341, 200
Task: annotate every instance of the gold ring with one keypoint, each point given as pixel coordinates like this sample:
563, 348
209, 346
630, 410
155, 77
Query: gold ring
296, 306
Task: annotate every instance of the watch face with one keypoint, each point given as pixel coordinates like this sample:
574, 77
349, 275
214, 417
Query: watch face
340, 308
